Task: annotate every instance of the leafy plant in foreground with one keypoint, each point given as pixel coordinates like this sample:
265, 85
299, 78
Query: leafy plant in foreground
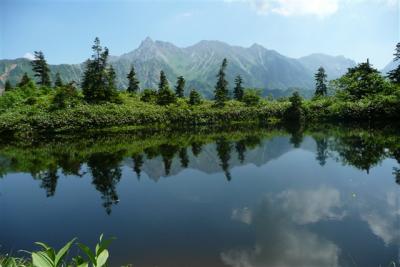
97, 258
48, 257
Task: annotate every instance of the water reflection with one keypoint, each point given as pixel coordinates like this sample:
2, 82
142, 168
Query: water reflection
242, 198
165, 155
282, 236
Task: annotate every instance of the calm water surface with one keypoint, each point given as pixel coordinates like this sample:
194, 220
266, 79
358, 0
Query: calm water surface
242, 199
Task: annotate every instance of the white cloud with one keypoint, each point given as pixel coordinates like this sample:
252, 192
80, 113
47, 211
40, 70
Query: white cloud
29, 56
319, 8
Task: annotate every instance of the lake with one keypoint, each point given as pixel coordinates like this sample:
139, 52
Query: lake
234, 197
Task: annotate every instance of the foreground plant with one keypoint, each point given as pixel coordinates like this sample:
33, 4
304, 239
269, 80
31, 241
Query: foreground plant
49, 257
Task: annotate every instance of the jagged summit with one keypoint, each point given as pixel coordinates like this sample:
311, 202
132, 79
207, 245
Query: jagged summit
198, 63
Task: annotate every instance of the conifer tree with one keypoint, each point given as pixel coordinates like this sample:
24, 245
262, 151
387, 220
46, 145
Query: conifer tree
320, 82
98, 83
221, 88
8, 86
133, 82
238, 91
163, 84
394, 75
58, 82
180, 86
164, 95
41, 69
194, 97
25, 80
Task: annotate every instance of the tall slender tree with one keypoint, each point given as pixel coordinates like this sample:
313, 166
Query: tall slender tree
98, 83
41, 69
394, 75
58, 82
165, 95
180, 86
133, 82
238, 91
221, 88
320, 82
163, 84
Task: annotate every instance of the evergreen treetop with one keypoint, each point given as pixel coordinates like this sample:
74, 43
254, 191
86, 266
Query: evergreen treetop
221, 88
163, 84
180, 87
133, 82
238, 91
98, 83
41, 69
320, 82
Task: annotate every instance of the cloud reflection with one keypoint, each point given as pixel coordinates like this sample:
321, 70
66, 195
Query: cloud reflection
282, 237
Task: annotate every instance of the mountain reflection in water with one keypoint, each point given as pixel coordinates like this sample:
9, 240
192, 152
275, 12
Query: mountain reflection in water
288, 198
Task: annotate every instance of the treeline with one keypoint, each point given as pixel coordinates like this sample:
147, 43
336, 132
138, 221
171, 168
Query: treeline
362, 94
99, 85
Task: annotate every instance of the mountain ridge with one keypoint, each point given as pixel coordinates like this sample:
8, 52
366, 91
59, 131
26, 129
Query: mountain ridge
198, 63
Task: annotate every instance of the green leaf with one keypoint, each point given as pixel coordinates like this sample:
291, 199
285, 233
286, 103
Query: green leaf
41, 259
44, 245
61, 253
88, 252
103, 245
102, 258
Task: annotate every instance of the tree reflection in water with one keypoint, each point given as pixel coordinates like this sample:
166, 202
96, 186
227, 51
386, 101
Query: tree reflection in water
104, 158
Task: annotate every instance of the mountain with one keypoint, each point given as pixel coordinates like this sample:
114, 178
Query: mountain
199, 63
391, 66
334, 66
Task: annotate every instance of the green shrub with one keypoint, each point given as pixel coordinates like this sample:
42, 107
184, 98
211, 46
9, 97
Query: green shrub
166, 96
251, 97
194, 98
295, 112
65, 97
149, 95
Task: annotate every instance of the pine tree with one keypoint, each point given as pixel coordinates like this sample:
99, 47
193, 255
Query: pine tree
133, 82
180, 86
320, 82
221, 88
58, 82
41, 69
394, 75
8, 86
25, 80
238, 91
194, 97
163, 84
164, 95
98, 83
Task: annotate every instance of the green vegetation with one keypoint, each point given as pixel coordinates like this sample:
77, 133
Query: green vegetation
180, 86
320, 82
49, 257
133, 82
361, 95
41, 69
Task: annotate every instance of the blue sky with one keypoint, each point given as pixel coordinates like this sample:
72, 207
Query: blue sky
64, 29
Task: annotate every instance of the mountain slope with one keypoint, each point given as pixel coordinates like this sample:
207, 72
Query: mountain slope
334, 66
199, 63
391, 66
